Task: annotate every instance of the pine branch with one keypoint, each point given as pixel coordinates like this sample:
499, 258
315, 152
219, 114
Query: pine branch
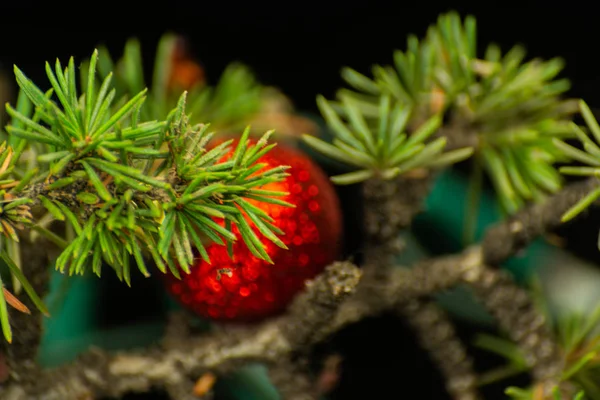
391, 205
511, 105
139, 370
518, 316
505, 239
98, 373
399, 285
129, 189
436, 334
380, 147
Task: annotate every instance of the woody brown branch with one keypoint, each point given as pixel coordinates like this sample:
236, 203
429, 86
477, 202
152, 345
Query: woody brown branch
500, 242
507, 238
97, 373
391, 207
436, 334
520, 319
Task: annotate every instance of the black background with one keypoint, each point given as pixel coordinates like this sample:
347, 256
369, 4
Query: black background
300, 47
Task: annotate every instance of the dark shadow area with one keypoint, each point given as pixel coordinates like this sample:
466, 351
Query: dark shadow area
387, 359
142, 396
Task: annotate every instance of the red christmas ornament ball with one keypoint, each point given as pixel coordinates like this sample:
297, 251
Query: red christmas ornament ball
255, 289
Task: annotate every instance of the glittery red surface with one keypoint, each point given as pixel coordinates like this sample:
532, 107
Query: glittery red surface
257, 289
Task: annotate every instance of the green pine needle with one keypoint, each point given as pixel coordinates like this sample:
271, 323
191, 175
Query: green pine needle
4, 321
381, 149
129, 173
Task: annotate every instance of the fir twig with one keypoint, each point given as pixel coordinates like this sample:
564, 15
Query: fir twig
130, 188
503, 240
436, 334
